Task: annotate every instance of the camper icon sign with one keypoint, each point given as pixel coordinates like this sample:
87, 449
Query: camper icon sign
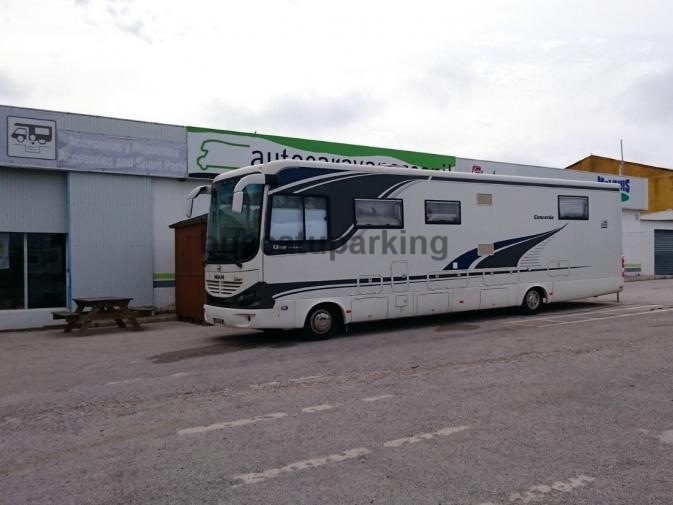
31, 138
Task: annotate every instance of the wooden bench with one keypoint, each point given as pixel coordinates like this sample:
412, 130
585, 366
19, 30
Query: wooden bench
142, 310
68, 316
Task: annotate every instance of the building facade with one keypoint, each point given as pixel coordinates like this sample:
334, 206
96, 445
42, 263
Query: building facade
86, 202
648, 234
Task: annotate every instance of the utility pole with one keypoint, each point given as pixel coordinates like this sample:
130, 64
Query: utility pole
621, 163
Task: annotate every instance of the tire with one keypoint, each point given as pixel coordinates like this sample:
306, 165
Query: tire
322, 322
20, 139
532, 301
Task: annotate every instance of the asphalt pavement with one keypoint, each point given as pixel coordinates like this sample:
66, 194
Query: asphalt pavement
572, 406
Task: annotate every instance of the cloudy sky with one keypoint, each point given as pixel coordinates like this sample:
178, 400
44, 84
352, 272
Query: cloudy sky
525, 81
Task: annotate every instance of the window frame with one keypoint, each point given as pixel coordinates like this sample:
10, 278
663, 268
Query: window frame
460, 212
377, 226
582, 218
304, 240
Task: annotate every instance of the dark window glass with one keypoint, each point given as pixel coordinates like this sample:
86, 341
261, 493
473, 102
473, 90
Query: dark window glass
233, 237
46, 270
370, 213
573, 207
11, 271
442, 212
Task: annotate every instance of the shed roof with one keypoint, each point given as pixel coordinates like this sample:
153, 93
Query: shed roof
193, 220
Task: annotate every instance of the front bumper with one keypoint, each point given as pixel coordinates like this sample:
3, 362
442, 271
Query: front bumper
281, 316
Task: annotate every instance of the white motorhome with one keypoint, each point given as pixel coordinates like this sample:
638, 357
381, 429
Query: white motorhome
295, 244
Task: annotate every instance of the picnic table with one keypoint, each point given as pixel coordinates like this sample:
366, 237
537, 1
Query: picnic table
94, 309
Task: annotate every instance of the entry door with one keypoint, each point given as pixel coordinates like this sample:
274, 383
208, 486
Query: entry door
399, 276
663, 252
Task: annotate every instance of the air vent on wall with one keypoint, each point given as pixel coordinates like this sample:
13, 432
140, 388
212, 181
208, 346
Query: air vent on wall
484, 199
485, 249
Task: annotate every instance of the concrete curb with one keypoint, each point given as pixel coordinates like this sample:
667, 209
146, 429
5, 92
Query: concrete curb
636, 278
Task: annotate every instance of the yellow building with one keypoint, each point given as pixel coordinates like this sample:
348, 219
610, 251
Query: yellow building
660, 180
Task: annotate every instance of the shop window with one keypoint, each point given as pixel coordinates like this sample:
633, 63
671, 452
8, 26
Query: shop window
12, 293
46, 270
32, 271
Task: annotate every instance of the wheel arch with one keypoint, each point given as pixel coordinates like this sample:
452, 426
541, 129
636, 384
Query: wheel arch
540, 286
303, 307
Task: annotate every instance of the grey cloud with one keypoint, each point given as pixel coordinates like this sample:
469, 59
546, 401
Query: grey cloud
135, 28
126, 20
650, 99
295, 113
121, 12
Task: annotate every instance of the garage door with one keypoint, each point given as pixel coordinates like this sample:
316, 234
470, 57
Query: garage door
663, 252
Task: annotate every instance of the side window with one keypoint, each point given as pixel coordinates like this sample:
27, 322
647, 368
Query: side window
370, 213
298, 218
442, 212
286, 218
573, 207
315, 217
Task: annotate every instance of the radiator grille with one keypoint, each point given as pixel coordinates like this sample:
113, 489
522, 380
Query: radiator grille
223, 288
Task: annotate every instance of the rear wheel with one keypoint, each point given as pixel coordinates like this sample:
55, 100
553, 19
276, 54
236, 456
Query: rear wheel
532, 301
322, 322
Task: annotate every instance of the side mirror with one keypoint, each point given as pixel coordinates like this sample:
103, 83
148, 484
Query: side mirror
199, 190
248, 180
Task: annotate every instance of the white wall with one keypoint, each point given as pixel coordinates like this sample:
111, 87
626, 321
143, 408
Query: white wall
638, 239
33, 318
169, 202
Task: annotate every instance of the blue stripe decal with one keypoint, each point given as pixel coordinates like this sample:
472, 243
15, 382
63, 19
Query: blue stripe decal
466, 259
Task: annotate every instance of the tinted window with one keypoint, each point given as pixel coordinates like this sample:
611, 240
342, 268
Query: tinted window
573, 207
378, 213
442, 212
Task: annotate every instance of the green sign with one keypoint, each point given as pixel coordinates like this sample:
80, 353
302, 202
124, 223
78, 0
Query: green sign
216, 151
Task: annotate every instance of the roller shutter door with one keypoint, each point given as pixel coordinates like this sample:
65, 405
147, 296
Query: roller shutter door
663, 252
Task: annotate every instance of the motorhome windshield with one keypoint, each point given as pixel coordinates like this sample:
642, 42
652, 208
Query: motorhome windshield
233, 237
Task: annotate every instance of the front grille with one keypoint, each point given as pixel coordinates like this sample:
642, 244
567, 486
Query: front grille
223, 288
